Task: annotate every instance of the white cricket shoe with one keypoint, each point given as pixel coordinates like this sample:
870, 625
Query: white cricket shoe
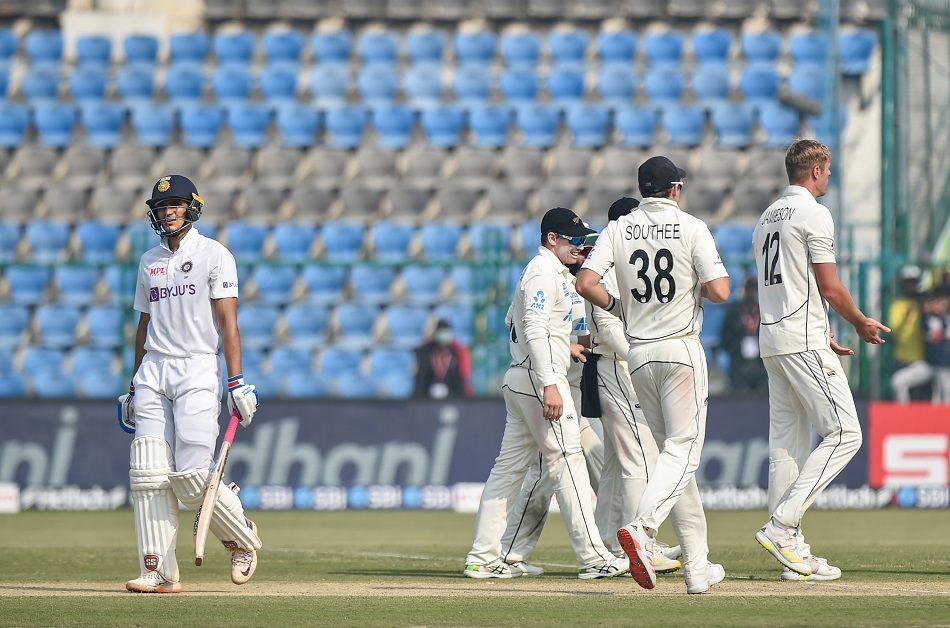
243, 561
607, 569
702, 580
497, 569
821, 571
638, 548
666, 558
783, 544
526, 568
152, 582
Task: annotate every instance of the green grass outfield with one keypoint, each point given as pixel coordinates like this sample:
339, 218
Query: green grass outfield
404, 568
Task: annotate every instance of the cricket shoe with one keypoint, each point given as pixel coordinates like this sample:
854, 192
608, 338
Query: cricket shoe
244, 561
638, 548
607, 569
783, 544
666, 558
526, 569
821, 571
702, 580
497, 569
152, 582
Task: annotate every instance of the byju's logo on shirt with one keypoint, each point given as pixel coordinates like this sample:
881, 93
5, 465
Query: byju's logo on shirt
157, 294
229, 284
538, 303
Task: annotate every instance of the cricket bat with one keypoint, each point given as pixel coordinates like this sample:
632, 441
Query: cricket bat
203, 516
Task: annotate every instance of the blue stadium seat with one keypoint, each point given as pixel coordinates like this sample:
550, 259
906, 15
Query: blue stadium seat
278, 84
43, 47
56, 324
6, 359
394, 125
4, 80
422, 85
539, 124
54, 123
780, 123
9, 240
76, 284
283, 46
385, 361
289, 359
344, 126
101, 385
519, 85
99, 360
328, 84
140, 49
808, 80
355, 323
153, 123
275, 283
406, 325
48, 240
249, 123
476, 47
664, 86
88, 84
377, 84
93, 50
443, 125
684, 124
565, 84
372, 284
636, 125
135, 83
97, 241
14, 122
37, 359
8, 44
472, 84
761, 46
184, 83
332, 46
489, 125
391, 240
711, 85
733, 125
307, 324
257, 322
808, 48
201, 125
246, 240
461, 318
355, 386
854, 51
234, 47
823, 123
121, 281
397, 385
52, 385
106, 325
440, 240
490, 240
251, 360
231, 83
268, 385
14, 320
12, 385
343, 240
425, 46
423, 283
664, 48
40, 84
378, 47
298, 125
733, 239
103, 123
589, 124
617, 84
714, 314
189, 47
292, 241
298, 385
617, 46
521, 48
568, 45
527, 237
324, 283
711, 46
759, 83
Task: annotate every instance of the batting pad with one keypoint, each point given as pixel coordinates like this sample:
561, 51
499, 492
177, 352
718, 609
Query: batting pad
227, 521
154, 505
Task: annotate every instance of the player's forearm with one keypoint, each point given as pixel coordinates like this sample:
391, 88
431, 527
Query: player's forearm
588, 286
539, 350
841, 302
140, 334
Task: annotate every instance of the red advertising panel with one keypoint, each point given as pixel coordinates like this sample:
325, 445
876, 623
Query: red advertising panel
909, 444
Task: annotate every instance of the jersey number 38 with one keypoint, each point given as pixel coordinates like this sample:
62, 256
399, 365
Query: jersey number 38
662, 284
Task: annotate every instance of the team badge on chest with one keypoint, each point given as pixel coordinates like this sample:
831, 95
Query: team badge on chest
187, 266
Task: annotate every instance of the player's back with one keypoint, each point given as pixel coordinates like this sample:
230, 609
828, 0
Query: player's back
793, 233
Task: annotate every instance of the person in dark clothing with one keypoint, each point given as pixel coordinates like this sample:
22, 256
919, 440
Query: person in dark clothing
444, 366
740, 340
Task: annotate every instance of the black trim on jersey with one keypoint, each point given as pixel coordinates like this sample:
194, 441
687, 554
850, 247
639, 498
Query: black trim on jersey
669, 336
631, 420
826, 390
797, 310
659, 362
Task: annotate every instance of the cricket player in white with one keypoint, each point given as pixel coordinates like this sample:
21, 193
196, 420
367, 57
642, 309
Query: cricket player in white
794, 253
665, 261
187, 288
542, 420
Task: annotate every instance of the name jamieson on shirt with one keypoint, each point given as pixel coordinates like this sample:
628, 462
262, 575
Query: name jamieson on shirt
778, 214
665, 231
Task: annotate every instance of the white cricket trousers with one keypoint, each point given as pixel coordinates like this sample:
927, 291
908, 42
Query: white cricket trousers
807, 390
529, 437
671, 382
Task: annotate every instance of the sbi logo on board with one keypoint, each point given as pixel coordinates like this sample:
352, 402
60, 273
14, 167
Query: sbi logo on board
157, 294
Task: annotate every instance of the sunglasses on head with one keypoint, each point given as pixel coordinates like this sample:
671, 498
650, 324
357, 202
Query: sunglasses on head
574, 240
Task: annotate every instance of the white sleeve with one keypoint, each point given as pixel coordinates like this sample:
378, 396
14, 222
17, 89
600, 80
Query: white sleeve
601, 258
609, 330
222, 274
706, 258
820, 237
540, 293
142, 299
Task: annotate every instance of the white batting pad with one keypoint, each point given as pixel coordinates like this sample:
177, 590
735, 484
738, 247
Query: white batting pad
227, 521
154, 505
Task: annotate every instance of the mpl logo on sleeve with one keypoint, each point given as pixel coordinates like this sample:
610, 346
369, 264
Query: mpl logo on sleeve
910, 444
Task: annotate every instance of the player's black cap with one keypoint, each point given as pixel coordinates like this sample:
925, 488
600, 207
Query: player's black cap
563, 221
622, 207
657, 174
173, 186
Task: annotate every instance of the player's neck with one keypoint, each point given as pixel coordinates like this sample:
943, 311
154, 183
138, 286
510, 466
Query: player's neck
174, 242
808, 185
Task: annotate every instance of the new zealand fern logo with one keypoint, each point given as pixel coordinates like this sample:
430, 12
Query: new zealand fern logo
538, 303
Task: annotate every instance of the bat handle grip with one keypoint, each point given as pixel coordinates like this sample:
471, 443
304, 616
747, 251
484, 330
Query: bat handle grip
232, 427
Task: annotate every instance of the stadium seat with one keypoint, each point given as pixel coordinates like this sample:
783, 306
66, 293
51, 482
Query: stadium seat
663, 48
246, 240
289, 359
490, 240
854, 51
733, 125
36, 359
378, 47
298, 125
761, 46
372, 284
140, 49
520, 48
106, 325
589, 124
711, 46
52, 385
377, 84
714, 314
8, 44
461, 318
103, 123
97, 360
808, 80
780, 124
54, 123
283, 46
257, 322
10, 233
40, 85
384, 361
56, 324
249, 123
307, 324
489, 125
332, 46
344, 126
443, 125
619, 46
440, 240
324, 283
394, 125
734, 240
425, 46
475, 47
93, 51
565, 84
704, 197
355, 386
391, 240
14, 320
568, 45
121, 281
423, 284
231, 83
278, 85
184, 83
201, 125
635, 125
361, 203
292, 241
101, 385
759, 83
275, 283
153, 123
406, 325
751, 197
43, 47
88, 84
354, 323
539, 125
422, 85
329, 84
711, 85
14, 122
616, 84
12, 385
377, 165
664, 86
48, 240
519, 86
472, 84
342, 241
76, 285
135, 83
234, 47
189, 47
808, 48
299, 385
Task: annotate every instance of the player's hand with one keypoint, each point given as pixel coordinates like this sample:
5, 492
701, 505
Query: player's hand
579, 352
553, 404
243, 398
127, 410
838, 348
869, 331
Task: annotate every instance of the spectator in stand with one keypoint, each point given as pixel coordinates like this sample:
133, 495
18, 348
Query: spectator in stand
904, 318
935, 367
445, 366
740, 340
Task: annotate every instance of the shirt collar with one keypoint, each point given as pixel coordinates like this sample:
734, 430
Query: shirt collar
550, 258
797, 190
651, 203
190, 238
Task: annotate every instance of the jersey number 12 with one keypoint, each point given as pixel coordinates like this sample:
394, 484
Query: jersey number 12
771, 277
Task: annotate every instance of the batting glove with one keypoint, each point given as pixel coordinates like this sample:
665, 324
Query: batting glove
243, 398
127, 410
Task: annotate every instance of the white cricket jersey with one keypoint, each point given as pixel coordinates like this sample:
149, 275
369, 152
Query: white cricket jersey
607, 333
795, 232
176, 290
542, 318
579, 329
661, 255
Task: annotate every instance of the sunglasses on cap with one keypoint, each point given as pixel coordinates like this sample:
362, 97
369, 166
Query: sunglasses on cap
574, 240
